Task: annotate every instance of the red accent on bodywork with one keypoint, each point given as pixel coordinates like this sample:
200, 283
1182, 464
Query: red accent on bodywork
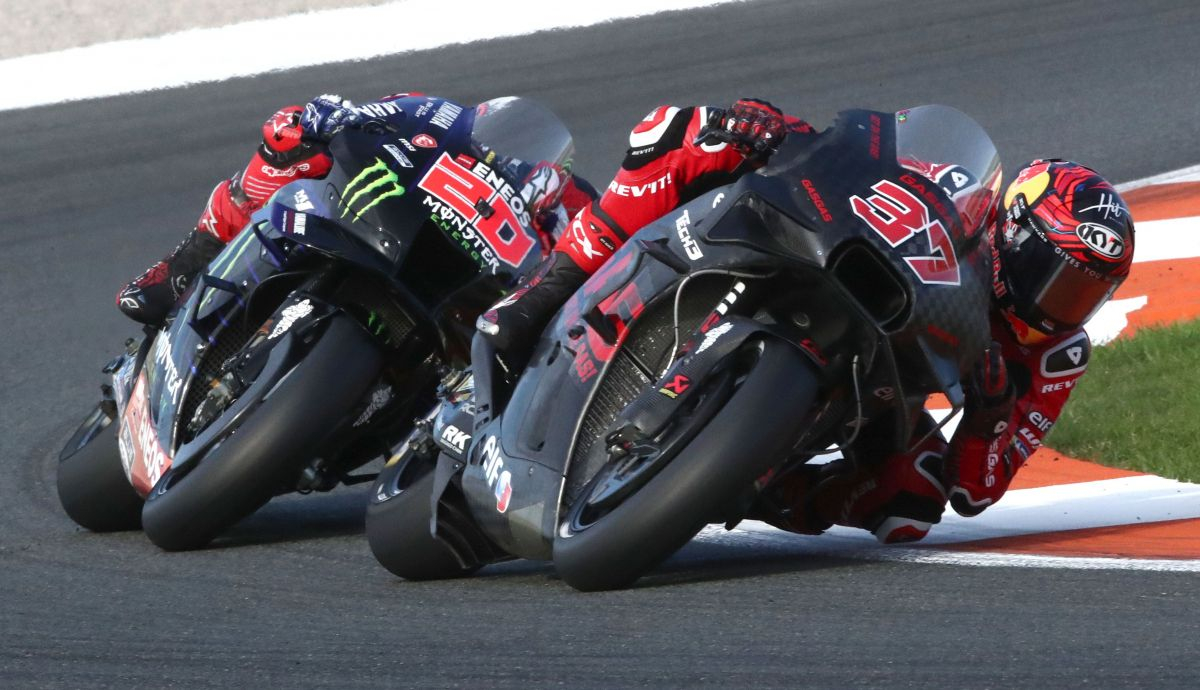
149, 460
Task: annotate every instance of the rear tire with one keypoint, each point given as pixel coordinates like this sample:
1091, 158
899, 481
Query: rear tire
398, 526
248, 468
748, 435
93, 488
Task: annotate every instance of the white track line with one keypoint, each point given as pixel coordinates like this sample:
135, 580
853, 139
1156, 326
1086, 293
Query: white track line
1189, 174
1111, 502
857, 544
1166, 240
357, 33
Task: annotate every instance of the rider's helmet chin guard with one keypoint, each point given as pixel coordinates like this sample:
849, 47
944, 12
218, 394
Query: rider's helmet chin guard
1065, 247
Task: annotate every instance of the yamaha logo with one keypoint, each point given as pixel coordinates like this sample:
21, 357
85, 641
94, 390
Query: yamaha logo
1102, 240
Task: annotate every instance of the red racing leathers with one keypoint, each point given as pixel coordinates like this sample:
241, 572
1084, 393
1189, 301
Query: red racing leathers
663, 168
899, 496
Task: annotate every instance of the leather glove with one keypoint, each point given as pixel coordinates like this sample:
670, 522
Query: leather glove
325, 116
989, 387
752, 126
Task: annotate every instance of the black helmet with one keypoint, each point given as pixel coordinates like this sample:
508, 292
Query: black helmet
1065, 248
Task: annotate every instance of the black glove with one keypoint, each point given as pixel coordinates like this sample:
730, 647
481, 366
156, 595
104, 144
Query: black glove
754, 127
325, 116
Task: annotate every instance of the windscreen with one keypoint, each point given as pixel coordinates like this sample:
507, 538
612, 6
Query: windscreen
523, 129
951, 149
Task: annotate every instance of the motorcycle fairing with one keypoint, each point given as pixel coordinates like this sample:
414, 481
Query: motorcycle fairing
392, 182
762, 223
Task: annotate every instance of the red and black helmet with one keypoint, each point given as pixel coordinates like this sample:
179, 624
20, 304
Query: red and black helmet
1065, 247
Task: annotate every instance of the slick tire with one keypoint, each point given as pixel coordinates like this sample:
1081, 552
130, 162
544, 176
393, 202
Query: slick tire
743, 439
398, 527
252, 464
93, 488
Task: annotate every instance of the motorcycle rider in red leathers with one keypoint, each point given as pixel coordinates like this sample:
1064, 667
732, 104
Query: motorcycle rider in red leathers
294, 147
1059, 252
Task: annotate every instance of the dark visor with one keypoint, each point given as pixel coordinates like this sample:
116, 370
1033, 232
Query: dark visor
1069, 297
1050, 293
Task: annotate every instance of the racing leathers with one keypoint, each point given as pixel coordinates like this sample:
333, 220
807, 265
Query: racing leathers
294, 147
1013, 398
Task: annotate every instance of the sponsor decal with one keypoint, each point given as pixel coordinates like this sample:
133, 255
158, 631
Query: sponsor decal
713, 335
369, 187
139, 441
380, 109
398, 155
676, 386
1060, 386
445, 115
290, 316
271, 171
1108, 205
993, 459
1067, 358
298, 224
818, 202
425, 141
425, 107
718, 199
876, 129
1030, 438
1102, 240
301, 201
379, 398
162, 357
498, 478
685, 236
456, 437
640, 190
1040, 421
457, 228
897, 215
408, 145
473, 198
580, 238
503, 491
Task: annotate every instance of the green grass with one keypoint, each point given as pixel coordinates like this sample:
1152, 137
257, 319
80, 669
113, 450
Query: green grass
1138, 405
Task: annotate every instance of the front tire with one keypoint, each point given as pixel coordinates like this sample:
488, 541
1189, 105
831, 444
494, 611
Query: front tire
92, 486
398, 518
250, 465
742, 440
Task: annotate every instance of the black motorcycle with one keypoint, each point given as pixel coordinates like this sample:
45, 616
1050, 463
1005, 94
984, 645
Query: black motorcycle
319, 332
817, 302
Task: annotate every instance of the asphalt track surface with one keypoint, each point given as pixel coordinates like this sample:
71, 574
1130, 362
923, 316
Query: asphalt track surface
92, 192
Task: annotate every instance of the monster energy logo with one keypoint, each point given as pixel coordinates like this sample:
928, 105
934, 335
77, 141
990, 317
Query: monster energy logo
385, 186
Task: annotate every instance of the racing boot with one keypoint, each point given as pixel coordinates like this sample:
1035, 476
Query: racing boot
514, 324
149, 297
787, 502
898, 500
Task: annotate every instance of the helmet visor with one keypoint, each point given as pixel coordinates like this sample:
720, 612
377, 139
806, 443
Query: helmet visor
1070, 297
1049, 292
